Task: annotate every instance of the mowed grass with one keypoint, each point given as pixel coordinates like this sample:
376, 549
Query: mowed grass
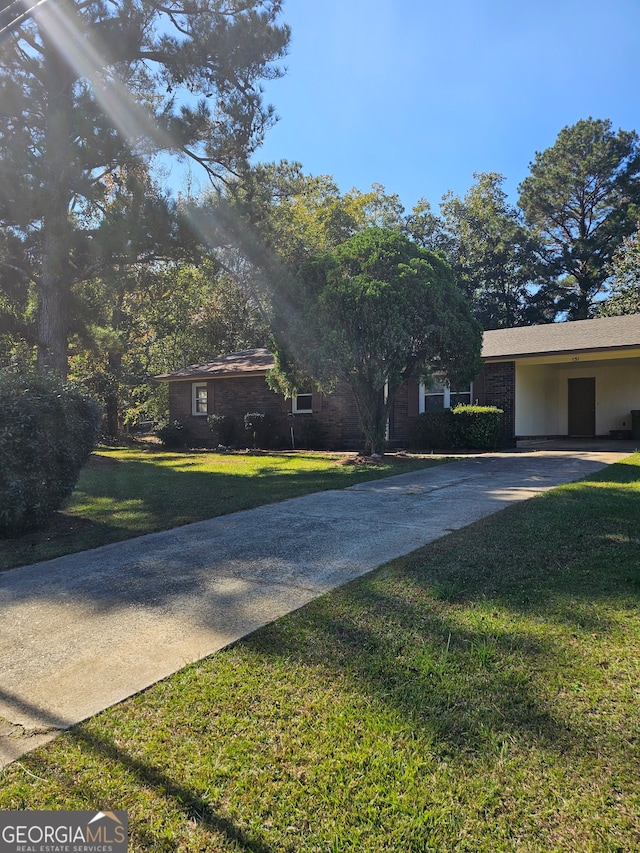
126, 492
480, 694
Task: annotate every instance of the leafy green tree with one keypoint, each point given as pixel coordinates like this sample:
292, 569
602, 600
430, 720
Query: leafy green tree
276, 207
428, 230
582, 196
277, 217
491, 251
374, 312
90, 91
625, 286
153, 321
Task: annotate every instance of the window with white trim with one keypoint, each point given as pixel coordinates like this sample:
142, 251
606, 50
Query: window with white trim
439, 395
199, 398
302, 404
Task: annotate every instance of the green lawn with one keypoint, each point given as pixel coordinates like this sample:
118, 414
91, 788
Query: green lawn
480, 694
126, 492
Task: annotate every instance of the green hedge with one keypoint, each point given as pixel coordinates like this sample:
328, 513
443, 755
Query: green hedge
173, 436
465, 427
47, 432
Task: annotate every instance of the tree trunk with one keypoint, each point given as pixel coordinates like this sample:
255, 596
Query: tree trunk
113, 423
55, 280
373, 412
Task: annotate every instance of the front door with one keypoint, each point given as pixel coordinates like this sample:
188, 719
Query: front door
582, 406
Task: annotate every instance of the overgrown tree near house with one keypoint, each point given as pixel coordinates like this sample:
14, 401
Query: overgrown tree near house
90, 91
583, 197
374, 312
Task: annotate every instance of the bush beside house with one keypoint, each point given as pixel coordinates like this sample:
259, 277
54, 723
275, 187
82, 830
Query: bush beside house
463, 427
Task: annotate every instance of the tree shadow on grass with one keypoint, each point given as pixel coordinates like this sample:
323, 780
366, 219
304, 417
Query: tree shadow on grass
189, 802
420, 635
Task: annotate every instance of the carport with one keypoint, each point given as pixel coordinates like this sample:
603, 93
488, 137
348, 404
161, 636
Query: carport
578, 379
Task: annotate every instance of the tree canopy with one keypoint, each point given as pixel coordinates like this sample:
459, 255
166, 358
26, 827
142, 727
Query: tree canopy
625, 285
91, 90
491, 252
583, 198
373, 312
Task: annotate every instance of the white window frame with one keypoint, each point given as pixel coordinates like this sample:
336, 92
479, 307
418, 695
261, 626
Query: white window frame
446, 393
294, 404
195, 398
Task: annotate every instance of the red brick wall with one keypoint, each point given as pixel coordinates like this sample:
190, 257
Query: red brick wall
232, 397
496, 386
336, 413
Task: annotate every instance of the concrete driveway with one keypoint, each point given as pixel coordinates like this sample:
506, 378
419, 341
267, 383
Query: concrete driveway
83, 632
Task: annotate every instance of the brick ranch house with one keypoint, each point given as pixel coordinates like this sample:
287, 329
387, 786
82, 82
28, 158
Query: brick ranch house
578, 379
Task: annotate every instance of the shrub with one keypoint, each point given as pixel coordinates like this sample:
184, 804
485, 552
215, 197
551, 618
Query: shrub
47, 432
173, 435
310, 435
477, 427
432, 430
470, 427
222, 429
261, 428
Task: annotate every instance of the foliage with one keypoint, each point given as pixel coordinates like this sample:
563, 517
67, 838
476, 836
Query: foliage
309, 434
155, 321
222, 429
375, 312
47, 431
262, 430
432, 430
624, 295
93, 91
298, 215
277, 217
477, 427
173, 435
583, 198
469, 427
492, 253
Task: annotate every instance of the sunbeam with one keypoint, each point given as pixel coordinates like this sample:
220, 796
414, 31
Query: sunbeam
129, 118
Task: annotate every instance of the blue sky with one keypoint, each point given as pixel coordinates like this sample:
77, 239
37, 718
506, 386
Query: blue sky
418, 95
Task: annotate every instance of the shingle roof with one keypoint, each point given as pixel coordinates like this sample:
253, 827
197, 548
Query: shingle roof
250, 361
577, 336
604, 333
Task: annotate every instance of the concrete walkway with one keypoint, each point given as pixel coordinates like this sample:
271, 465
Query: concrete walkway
83, 632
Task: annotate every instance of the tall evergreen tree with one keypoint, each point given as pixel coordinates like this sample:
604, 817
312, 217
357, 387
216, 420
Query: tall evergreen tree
89, 91
583, 197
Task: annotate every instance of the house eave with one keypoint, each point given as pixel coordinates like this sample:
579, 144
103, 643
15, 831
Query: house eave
194, 377
562, 353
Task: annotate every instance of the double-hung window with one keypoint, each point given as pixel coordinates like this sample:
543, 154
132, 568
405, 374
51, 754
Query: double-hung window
199, 398
439, 395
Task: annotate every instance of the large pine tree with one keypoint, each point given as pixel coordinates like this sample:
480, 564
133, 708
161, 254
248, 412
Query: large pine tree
90, 90
582, 197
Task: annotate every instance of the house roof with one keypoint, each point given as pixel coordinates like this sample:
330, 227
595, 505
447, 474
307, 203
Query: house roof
247, 362
605, 333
